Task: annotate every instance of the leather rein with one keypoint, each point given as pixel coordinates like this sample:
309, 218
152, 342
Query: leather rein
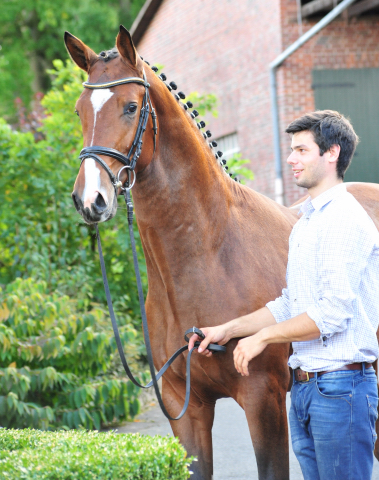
129, 163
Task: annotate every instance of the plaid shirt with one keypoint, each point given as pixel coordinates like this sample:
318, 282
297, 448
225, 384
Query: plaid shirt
333, 275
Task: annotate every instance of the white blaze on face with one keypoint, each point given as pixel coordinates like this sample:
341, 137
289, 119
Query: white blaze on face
91, 170
92, 185
98, 99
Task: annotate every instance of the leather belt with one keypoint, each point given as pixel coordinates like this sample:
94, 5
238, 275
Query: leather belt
302, 376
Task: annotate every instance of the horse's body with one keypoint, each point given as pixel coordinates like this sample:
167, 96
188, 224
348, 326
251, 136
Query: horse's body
214, 249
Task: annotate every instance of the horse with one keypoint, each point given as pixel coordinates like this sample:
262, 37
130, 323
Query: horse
214, 249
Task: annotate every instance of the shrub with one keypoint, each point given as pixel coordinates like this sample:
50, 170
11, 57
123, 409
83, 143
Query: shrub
60, 364
30, 454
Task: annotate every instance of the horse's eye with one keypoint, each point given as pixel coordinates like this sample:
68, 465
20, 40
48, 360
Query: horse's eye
77, 113
129, 109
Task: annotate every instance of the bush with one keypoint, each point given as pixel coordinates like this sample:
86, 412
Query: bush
30, 454
41, 234
61, 364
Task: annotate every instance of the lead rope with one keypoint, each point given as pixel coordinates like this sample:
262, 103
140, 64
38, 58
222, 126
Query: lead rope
155, 377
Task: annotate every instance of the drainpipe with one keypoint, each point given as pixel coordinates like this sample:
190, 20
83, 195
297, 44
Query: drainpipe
273, 88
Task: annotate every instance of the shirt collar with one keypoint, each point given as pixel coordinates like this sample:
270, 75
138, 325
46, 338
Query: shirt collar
322, 199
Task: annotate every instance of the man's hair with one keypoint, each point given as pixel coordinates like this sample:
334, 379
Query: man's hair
329, 128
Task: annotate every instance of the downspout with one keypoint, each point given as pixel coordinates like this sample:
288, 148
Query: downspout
273, 88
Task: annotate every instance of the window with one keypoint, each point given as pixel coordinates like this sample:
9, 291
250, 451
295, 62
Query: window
228, 145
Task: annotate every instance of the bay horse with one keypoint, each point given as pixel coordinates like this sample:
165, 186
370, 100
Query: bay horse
214, 249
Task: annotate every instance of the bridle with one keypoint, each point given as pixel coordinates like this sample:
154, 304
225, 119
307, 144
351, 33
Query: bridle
129, 161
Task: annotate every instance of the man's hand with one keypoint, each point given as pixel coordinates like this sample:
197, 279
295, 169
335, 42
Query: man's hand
217, 334
247, 349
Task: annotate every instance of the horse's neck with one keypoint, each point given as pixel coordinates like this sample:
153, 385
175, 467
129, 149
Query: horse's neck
184, 185
184, 200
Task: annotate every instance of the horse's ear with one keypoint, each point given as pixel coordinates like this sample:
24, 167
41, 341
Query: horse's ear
82, 55
125, 46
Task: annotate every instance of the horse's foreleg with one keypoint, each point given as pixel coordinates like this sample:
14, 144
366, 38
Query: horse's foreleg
194, 429
265, 410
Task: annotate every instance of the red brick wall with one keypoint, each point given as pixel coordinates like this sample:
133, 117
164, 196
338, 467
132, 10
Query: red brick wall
343, 43
223, 47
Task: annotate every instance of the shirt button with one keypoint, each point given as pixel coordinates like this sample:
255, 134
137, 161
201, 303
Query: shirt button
324, 338
295, 300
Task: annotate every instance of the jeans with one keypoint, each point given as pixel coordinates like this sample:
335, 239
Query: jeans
332, 421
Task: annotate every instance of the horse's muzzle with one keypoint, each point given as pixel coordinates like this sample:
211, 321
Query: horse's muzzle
98, 212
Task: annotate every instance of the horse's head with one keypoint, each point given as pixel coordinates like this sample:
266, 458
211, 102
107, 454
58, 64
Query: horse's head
110, 113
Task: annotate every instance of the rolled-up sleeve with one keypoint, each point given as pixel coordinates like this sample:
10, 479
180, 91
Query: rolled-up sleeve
280, 308
342, 256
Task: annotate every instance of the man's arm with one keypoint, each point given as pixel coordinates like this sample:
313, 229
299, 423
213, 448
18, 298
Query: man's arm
239, 327
297, 329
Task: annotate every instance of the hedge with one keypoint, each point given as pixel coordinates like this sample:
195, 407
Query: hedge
33, 454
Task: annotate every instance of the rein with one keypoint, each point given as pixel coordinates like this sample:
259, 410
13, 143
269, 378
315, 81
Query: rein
129, 163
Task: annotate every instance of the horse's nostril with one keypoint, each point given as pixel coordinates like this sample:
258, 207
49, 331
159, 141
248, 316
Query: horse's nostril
99, 204
75, 200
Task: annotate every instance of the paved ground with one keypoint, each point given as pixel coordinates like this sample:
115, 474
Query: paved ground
233, 453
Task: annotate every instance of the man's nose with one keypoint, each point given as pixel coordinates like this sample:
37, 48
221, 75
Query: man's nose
292, 160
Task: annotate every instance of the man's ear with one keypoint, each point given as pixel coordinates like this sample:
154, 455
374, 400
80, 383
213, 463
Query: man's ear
83, 56
334, 153
125, 46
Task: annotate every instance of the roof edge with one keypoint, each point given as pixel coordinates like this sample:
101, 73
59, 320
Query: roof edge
143, 19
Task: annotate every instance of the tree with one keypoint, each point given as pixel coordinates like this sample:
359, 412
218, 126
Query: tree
32, 37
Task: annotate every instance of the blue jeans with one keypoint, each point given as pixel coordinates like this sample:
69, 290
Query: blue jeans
332, 421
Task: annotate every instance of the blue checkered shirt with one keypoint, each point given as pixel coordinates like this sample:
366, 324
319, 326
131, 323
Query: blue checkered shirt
333, 275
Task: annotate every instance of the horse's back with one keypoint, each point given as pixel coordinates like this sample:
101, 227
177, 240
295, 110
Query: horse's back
367, 195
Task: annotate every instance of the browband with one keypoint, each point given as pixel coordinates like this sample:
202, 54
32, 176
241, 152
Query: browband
93, 86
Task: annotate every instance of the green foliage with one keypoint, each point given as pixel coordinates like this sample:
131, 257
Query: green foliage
59, 366
30, 454
32, 36
204, 103
236, 166
41, 234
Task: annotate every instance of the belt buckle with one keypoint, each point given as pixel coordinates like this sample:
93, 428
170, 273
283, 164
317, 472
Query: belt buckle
302, 376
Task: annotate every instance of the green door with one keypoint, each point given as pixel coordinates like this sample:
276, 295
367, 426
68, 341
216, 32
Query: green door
355, 93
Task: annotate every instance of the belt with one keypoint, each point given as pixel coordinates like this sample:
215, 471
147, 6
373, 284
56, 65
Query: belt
302, 376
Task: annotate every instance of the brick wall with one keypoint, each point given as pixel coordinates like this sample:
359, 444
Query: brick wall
343, 43
225, 47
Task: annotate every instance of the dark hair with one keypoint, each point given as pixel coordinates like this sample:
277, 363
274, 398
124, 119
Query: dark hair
329, 128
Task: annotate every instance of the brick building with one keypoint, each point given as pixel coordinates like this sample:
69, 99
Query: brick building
225, 47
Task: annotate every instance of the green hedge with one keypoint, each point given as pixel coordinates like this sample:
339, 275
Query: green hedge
32, 454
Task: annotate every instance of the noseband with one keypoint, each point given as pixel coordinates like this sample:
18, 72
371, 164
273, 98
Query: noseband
129, 161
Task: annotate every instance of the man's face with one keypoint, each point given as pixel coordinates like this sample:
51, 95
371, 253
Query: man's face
308, 167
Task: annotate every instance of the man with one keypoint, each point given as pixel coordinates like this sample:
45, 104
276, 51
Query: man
329, 310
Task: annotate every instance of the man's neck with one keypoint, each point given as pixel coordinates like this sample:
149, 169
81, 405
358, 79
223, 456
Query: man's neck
323, 186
